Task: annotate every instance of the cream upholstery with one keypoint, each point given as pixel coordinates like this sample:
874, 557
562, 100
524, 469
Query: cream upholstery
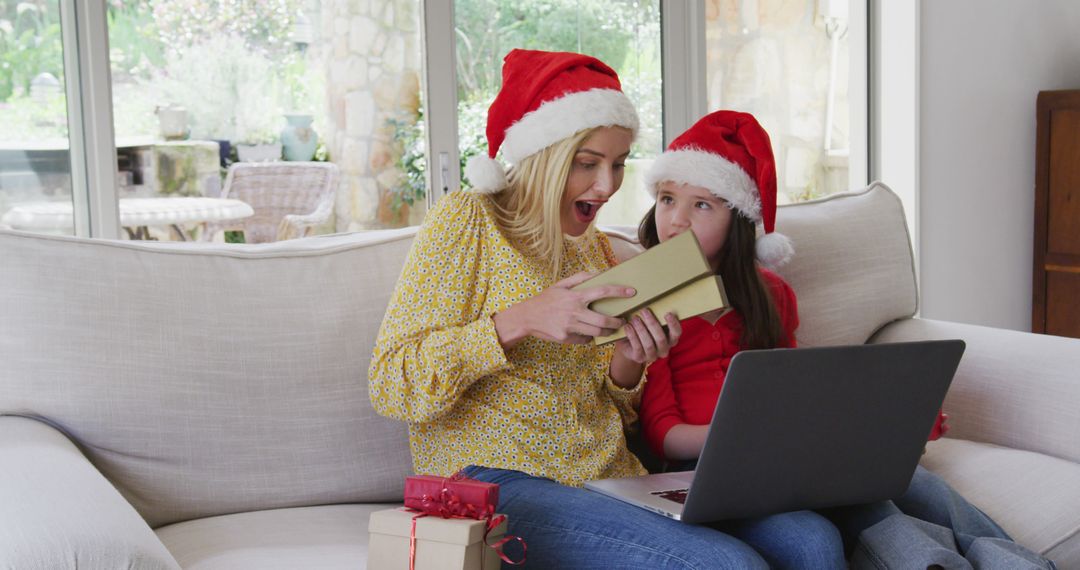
238, 390
60, 512
285, 539
999, 397
221, 391
1034, 497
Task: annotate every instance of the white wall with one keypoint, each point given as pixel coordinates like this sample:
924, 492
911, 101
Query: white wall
982, 64
895, 92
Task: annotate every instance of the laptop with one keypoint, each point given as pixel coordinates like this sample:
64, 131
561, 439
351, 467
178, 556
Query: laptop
806, 428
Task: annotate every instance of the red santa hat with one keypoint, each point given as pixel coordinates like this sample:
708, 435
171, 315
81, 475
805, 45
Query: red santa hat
729, 154
546, 97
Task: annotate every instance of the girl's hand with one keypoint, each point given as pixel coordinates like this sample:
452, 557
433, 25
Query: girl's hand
646, 339
560, 314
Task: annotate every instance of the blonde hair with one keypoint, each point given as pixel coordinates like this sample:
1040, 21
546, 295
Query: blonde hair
529, 210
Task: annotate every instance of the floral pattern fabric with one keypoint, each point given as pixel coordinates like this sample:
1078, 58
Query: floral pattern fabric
543, 408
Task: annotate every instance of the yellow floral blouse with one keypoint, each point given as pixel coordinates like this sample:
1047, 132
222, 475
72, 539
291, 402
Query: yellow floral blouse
541, 407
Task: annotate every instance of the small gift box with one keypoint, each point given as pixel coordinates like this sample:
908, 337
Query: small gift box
440, 544
454, 496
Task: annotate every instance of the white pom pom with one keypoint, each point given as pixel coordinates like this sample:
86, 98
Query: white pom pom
486, 175
774, 250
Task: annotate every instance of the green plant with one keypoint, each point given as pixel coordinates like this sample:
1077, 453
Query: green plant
243, 104
256, 135
487, 29
135, 48
25, 119
472, 121
408, 137
30, 44
301, 83
321, 154
262, 25
623, 33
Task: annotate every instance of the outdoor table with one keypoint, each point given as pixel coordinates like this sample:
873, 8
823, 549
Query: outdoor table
136, 214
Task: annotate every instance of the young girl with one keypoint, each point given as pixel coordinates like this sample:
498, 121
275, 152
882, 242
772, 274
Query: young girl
718, 180
703, 184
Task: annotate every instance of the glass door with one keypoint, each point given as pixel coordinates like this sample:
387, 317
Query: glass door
625, 34
204, 88
35, 157
800, 68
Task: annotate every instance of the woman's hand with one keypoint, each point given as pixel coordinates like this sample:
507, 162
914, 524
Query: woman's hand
646, 339
560, 314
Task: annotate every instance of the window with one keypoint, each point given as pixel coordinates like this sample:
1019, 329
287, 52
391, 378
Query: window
35, 165
790, 64
394, 89
198, 86
625, 34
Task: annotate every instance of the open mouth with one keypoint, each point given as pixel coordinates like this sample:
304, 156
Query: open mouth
585, 210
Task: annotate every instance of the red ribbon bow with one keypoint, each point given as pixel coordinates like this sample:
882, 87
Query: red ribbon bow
448, 505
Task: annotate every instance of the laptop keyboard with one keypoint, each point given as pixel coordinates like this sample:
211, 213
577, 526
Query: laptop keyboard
674, 495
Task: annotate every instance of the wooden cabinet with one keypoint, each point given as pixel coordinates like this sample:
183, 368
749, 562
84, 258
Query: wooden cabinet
1056, 283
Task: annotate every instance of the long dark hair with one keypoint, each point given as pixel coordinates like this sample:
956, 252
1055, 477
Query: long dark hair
745, 288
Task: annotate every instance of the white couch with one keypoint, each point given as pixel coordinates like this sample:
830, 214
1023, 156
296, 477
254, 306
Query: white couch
205, 406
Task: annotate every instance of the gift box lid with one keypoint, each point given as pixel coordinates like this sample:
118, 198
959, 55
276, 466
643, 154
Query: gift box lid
398, 522
652, 273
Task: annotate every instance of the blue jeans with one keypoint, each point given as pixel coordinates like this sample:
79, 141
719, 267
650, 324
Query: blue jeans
929, 524
928, 498
931, 499
567, 527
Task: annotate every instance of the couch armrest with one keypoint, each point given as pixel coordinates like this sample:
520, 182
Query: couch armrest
1014, 389
60, 512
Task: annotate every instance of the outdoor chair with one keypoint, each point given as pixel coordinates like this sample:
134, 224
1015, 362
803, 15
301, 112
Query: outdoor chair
290, 199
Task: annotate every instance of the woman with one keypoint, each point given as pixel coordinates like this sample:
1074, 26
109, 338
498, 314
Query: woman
486, 349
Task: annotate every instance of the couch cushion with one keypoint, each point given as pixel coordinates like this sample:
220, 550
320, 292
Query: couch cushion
853, 270
205, 379
1034, 497
329, 537
59, 512
1015, 389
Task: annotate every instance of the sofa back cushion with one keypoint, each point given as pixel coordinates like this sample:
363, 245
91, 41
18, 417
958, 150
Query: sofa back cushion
853, 270
207, 379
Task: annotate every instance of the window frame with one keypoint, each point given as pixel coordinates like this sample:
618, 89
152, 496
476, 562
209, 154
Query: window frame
90, 113
88, 80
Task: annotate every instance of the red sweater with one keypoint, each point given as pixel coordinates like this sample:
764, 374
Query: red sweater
684, 387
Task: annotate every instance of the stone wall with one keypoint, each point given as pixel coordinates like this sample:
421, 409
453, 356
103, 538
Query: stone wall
772, 58
371, 54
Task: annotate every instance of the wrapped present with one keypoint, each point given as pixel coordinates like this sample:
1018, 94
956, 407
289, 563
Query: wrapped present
455, 496
403, 539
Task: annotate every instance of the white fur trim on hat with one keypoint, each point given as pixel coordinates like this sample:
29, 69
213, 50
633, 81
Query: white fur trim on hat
774, 250
725, 179
561, 118
486, 175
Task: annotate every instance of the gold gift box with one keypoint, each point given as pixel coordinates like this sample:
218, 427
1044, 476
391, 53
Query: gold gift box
441, 544
672, 277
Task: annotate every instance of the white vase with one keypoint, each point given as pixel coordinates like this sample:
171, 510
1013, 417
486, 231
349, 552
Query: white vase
298, 139
172, 121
